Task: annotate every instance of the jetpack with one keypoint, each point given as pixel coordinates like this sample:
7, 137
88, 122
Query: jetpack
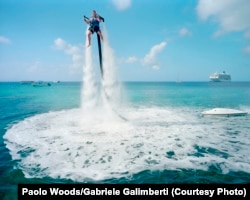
99, 45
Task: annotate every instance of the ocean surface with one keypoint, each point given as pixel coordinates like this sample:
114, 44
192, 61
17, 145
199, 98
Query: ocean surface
153, 133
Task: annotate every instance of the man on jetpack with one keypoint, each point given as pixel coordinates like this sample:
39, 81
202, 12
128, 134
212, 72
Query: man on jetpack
94, 22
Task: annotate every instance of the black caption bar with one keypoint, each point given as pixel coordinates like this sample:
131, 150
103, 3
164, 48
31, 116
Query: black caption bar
140, 191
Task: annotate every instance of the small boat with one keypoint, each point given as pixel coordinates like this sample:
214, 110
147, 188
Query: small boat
40, 84
224, 112
27, 82
220, 77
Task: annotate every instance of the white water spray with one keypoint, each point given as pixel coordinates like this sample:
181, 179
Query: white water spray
111, 84
89, 87
106, 93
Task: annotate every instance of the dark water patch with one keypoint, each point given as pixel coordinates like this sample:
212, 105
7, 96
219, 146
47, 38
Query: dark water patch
183, 177
10, 119
26, 152
18, 115
201, 151
212, 176
170, 154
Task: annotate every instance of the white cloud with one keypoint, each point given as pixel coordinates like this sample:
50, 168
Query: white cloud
74, 51
150, 58
232, 15
59, 44
131, 59
36, 66
247, 50
247, 34
122, 4
35, 70
156, 67
4, 40
184, 32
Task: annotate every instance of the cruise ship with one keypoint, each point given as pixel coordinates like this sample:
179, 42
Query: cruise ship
219, 77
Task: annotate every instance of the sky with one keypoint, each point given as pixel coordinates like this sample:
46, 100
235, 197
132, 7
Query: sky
152, 40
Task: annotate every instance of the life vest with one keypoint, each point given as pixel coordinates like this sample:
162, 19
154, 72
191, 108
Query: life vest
94, 22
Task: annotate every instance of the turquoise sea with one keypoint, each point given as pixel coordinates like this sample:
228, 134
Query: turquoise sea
155, 133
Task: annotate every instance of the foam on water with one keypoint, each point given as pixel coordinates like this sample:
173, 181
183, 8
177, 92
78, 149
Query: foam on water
97, 146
